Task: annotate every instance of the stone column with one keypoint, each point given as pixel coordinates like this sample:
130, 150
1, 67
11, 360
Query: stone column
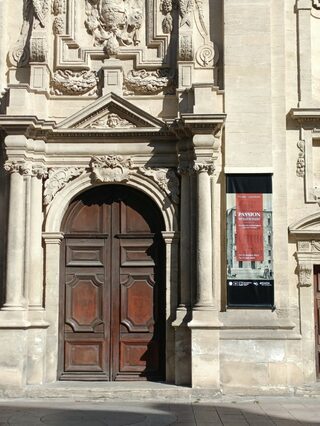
35, 291
15, 299
171, 240
204, 232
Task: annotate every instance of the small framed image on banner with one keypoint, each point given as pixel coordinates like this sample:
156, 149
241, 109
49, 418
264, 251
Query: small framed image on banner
250, 280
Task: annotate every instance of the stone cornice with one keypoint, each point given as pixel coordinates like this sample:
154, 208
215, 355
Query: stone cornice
191, 124
303, 115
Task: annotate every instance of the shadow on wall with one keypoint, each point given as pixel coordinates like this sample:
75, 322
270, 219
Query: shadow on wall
118, 413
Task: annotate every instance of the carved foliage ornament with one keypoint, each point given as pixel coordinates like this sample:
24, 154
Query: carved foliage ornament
114, 23
144, 82
185, 48
166, 179
57, 179
111, 169
301, 159
26, 169
66, 82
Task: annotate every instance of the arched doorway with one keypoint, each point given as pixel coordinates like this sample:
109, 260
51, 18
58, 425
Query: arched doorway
112, 312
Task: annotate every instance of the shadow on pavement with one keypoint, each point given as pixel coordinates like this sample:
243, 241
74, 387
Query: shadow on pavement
121, 413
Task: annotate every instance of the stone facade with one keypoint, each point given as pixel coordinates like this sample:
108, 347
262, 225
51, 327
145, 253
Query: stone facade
167, 97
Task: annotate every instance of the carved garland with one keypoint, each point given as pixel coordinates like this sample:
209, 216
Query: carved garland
301, 159
144, 82
66, 82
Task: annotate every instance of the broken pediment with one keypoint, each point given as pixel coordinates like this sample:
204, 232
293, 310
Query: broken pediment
111, 112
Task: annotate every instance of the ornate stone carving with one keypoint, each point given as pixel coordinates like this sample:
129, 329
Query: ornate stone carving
167, 22
111, 121
144, 82
114, 23
304, 246
111, 168
305, 275
38, 49
203, 167
59, 10
207, 55
315, 246
166, 179
203, 29
185, 10
185, 48
66, 82
19, 54
57, 179
301, 159
26, 168
34, 15
40, 9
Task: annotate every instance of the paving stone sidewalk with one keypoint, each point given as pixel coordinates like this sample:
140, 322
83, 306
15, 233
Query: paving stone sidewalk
222, 411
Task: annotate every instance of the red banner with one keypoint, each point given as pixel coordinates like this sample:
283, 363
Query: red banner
249, 227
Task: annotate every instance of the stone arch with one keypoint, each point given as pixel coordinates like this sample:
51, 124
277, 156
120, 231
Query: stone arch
60, 203
53, 236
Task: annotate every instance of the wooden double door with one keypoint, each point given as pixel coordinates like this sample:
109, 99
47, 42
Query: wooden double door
112, 324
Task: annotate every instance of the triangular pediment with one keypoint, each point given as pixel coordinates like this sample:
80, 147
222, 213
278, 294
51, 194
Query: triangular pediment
309, 225
111, 112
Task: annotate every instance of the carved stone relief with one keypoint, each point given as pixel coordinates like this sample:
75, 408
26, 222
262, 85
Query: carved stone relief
111, 121
144, 82
66, 82
110, 168
185, 10
58, 10
41, 9
38, 49
114, 23
57, 179
305, 275
26, 169
185, 48
166, 179
166, 7
301, 159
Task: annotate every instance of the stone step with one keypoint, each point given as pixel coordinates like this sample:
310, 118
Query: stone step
135, 391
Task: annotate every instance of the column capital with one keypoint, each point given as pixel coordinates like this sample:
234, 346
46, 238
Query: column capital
26, 168
170, 237
305, 4
53, 237
203, 168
